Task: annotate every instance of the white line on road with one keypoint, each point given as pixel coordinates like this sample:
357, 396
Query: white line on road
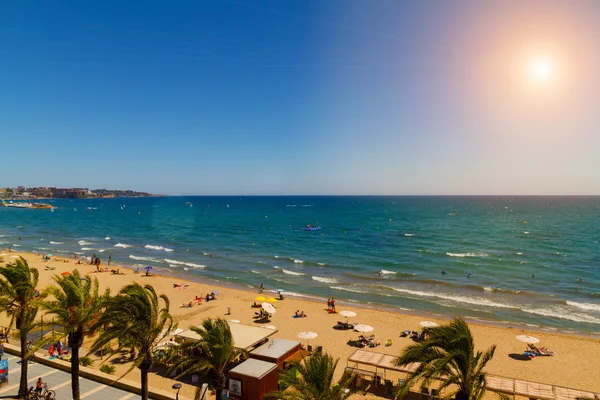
127, 396
94, 390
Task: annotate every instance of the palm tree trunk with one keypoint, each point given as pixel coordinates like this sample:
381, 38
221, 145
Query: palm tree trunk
144, 368
24, 364
75, 372
462, 395
219, 393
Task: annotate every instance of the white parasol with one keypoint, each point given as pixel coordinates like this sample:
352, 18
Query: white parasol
234, 321
428, 324
527, 339
363, 328
307, 336
272, 327
347, 314
269, 308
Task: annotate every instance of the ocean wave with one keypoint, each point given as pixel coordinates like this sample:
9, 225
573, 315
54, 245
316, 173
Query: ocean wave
584, 306
254, 271
459, 299
16, 245
285, 271
107, 238
347, 289
56, 242
322, 264
153, 247
123, 245
143, 258
409, 234
189, 264
324, 279
88, 249
462, 255
500, 290
566, 314
298, 261
84, 243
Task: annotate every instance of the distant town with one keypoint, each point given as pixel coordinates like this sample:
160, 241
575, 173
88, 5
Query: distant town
24, 193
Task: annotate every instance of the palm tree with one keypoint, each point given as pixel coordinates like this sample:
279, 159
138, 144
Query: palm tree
211, 356
18, 301
76, 305
314, 380
448, 354
136, 320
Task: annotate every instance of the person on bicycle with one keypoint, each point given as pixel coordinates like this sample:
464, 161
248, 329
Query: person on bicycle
39, 386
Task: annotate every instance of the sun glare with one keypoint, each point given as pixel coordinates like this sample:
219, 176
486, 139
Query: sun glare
541, 70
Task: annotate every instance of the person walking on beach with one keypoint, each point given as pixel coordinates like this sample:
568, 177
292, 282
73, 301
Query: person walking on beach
109, 260
328, 304
333, 305
262, 288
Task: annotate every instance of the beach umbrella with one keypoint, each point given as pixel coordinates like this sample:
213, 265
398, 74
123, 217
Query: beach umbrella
148, 267
272, 327
48, 255
176, 331
260, 298
428, 324
347, 314
527, 339
216, 293
271, 300
65, 273
307, 336
269, 308
363, 328
234, 321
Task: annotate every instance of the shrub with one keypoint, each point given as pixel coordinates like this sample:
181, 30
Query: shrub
86, 361
107, 369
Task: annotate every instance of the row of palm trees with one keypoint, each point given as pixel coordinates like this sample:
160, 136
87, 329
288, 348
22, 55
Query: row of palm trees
137, 320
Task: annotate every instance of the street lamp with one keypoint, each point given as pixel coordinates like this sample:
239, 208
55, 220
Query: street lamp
177, 386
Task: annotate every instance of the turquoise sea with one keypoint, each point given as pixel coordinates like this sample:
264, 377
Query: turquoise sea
246, 241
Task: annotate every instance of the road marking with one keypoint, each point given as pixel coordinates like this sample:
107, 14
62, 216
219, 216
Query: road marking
127, 396
65, 383
94, 390
6, 389
18, 368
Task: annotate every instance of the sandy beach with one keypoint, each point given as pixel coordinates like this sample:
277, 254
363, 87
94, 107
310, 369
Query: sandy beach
576, 363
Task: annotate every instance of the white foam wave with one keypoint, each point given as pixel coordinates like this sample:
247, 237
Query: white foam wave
189, 264
142, 258
298, 261
294, 294
322, 264
566, 314
123, 245
107, 238
459, 299
42, 248
88, 249
324, 279
409, 234
101, 251
150, 246
168, 250
584, 306
84, 243
276, 257
285, 271
384, 272
16, 245
255, 271
277, 267
56, 242
467, 254
347, 289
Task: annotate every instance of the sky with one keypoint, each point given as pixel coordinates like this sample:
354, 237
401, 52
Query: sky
302, 97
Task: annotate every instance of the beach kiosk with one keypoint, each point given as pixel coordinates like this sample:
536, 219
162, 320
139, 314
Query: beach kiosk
252, 379
276, 351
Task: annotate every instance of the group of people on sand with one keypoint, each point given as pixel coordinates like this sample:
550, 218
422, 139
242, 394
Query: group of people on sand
331, 306
300, 314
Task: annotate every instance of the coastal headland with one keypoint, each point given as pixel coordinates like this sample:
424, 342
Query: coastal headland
575, 364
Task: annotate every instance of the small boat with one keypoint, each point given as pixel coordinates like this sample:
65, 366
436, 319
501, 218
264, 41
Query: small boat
312, 228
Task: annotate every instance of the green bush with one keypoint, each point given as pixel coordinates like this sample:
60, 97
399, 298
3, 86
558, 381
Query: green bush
86, 361
107, 369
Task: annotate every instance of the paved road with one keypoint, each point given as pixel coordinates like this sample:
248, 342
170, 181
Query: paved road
60, 382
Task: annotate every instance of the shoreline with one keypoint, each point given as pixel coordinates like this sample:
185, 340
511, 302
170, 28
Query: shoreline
573, 353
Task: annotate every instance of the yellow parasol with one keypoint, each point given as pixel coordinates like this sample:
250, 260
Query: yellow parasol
260, 298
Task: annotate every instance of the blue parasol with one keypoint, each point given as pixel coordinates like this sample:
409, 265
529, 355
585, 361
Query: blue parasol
215, 292
148, 267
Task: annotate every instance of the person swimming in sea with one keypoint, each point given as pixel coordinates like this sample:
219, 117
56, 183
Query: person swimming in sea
470, 275
381, 273
444, 272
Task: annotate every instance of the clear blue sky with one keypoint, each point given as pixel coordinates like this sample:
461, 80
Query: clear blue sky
302, 97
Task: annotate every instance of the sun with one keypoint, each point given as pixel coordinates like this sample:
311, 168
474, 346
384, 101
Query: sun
541, 70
